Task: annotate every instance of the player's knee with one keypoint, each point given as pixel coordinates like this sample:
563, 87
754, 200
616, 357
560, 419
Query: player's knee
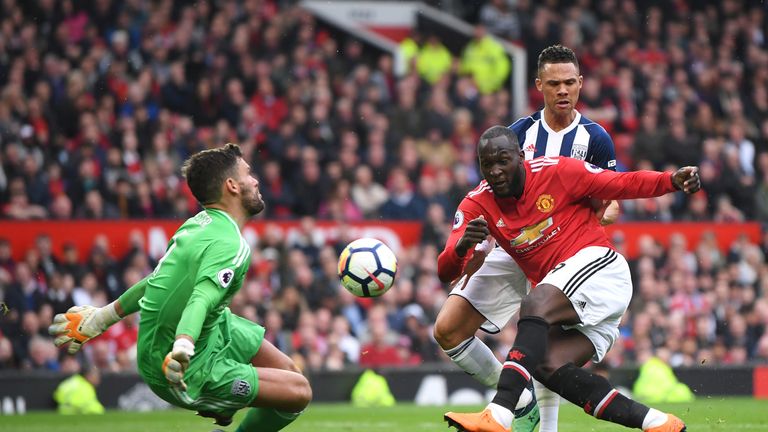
302, 393
542, 302
447, 335
530, 307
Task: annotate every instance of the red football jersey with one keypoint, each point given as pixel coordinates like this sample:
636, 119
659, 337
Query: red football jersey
553, 219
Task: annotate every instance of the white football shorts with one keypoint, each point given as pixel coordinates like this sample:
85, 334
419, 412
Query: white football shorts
495, 290
598, 283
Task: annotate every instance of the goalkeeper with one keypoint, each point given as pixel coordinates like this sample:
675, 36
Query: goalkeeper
192, 351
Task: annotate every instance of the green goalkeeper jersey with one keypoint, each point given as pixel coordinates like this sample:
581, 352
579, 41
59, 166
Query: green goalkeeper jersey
187, 293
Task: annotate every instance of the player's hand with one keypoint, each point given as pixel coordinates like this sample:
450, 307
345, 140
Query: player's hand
609, 213
687, 179
476, 231
177, 361
474, 263
79, 325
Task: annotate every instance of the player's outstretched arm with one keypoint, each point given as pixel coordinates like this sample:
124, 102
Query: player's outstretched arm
83, 323
687, 179
586, 180
128, 303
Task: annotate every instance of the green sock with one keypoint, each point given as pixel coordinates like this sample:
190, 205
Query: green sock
266, 420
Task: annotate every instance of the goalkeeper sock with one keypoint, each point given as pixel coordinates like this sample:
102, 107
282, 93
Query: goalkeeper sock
476, 359
266, 420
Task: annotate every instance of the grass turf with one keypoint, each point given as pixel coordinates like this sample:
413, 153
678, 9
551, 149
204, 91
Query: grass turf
703, 415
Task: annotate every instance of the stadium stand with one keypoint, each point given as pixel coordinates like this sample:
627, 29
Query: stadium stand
100, 101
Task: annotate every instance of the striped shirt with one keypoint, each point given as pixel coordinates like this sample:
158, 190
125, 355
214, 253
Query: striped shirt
583, 139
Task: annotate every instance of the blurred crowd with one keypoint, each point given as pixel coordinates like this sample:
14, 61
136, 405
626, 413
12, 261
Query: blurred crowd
101, 101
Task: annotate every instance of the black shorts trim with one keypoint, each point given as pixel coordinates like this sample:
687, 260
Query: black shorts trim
581, 276
498, 330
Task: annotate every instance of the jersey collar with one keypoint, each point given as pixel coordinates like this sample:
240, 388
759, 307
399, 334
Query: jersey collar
569, 128
225, 214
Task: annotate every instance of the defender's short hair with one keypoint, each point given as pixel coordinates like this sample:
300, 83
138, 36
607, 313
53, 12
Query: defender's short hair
557, 54
207, 170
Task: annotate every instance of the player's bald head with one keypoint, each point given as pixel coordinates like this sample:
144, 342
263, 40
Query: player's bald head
498, 138
501, 161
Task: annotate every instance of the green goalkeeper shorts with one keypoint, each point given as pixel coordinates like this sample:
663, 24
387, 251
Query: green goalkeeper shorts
227, 381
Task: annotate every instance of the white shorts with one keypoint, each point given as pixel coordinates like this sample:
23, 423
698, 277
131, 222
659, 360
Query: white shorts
495, 290
598, 283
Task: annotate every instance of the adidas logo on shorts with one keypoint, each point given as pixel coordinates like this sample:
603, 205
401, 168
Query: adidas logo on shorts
500, 224
581, 304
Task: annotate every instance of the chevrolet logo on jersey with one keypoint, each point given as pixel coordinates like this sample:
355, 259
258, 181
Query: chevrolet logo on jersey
532, 233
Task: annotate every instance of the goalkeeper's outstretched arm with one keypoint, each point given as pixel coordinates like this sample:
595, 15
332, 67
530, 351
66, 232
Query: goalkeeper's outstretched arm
128, 303
83, 323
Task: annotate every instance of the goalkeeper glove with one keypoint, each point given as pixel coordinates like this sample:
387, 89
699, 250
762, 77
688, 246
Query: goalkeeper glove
81, 324
177, 361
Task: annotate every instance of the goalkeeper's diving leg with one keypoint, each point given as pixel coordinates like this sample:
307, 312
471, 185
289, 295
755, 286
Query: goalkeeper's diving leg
283, 392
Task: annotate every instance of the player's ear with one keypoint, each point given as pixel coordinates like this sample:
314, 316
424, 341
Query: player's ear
581, 81
232, 185
538, 84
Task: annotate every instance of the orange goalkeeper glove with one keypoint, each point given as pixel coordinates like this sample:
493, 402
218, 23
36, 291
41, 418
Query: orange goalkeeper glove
177, 361
81, 324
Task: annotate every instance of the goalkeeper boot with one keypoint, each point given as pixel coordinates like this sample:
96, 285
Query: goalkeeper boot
673, 424
474, 422
218, 419
527, 418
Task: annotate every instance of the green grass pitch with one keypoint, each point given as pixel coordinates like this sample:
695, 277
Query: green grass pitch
703, 415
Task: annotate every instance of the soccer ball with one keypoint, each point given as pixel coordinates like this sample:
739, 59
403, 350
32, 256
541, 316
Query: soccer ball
367, 267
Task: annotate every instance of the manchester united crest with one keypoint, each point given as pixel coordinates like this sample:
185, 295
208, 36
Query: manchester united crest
545, 203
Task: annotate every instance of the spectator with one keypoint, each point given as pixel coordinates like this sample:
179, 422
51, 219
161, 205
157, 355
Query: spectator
485, 60
59, 294
366, 193
649, 141
433, 62
26, 293
18, 205
409, 49
77, 394
403, 202
500, 18
310, 187
97, 113
7, 358
380, 346
42, 354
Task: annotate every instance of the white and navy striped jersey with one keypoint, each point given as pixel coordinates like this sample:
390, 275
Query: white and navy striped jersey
582, 139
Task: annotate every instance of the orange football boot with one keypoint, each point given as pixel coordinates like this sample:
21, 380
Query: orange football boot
673, 424
474, 422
